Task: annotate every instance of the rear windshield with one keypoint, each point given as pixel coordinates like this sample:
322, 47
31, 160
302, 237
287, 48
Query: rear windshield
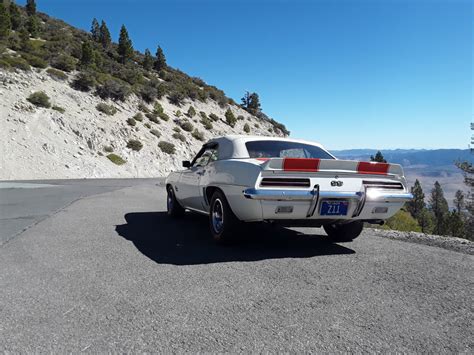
283, 149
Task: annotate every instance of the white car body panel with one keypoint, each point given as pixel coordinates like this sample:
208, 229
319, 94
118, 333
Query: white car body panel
240, 178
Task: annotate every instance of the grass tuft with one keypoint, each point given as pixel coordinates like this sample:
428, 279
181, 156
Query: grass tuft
114, 158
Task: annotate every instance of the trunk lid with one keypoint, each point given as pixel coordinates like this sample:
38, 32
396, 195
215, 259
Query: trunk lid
330, 166
330, 174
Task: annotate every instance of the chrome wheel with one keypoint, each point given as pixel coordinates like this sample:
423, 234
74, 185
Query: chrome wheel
217, 216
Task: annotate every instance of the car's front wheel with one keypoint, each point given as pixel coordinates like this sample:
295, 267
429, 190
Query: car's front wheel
174, 209
344, 232
223, 223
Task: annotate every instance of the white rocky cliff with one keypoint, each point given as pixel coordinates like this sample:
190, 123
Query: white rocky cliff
44, 143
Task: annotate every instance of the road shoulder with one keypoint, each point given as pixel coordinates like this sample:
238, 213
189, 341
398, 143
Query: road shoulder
450, 243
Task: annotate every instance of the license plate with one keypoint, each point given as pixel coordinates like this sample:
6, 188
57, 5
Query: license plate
334, 208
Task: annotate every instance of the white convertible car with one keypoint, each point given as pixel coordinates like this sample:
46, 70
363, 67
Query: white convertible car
235, 179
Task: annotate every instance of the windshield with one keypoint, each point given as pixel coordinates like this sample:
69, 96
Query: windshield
284, 149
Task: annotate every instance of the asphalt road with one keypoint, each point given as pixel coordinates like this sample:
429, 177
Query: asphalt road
102, 269
25, 203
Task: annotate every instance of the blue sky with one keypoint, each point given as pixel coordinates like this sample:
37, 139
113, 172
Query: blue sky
349, 74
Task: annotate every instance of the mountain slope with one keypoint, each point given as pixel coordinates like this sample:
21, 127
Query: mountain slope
40, 143
72, 138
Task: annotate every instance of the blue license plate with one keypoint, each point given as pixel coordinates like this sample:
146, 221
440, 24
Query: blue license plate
334, 208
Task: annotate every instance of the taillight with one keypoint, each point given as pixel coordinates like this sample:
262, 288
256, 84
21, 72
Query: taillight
284, 182
383, 185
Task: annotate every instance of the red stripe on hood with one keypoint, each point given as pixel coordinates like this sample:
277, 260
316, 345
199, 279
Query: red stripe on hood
372, 168
300, 164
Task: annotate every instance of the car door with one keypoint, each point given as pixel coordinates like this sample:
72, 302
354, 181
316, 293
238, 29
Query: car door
190, 193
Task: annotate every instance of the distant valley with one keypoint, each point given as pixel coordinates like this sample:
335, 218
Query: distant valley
427, 166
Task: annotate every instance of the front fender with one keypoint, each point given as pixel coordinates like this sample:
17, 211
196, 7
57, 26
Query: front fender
172, 177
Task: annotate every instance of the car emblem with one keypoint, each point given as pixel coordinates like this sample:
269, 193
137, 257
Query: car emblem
337, 183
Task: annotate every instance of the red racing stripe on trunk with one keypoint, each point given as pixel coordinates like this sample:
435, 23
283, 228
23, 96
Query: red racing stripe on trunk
372, 168
300, 164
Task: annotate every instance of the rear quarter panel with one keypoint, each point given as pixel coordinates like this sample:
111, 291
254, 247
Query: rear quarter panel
234, 172
233, 176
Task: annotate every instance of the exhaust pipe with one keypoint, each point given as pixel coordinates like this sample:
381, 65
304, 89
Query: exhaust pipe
376, 221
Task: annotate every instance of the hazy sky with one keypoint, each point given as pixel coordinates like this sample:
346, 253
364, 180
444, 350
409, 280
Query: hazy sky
349, 74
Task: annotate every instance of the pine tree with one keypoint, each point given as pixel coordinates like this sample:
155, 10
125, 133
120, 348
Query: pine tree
251, 102
105, 38
15, 16
95, 30
468, 170
439, 207
425, 220
98, 60
416, 206
455, 224
160, 61
31, 7
254, 103
459, 201
230, 118
87, 56
148, 60
33, 26
378, 157
5, 23
246, 100
125, 47
25, 43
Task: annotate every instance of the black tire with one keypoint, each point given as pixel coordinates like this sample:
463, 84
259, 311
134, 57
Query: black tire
173, 207
223, 223
344, 232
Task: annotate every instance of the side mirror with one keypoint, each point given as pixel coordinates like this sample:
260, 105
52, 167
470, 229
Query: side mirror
186, 164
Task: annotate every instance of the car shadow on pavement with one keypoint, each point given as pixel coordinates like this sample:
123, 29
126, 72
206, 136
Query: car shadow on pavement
187, 241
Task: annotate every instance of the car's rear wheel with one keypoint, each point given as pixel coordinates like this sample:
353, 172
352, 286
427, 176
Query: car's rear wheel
173, 207
223, 223
344, 232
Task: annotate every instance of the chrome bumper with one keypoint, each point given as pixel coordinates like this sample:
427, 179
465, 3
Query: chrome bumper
299, 195
313, 196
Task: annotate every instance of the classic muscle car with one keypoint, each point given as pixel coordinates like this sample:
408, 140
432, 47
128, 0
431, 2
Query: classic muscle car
236, 179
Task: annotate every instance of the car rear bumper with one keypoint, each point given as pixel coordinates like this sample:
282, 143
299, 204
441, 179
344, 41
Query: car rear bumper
367, 204
299, 195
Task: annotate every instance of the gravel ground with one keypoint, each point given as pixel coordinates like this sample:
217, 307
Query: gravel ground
450, 243
111, 273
